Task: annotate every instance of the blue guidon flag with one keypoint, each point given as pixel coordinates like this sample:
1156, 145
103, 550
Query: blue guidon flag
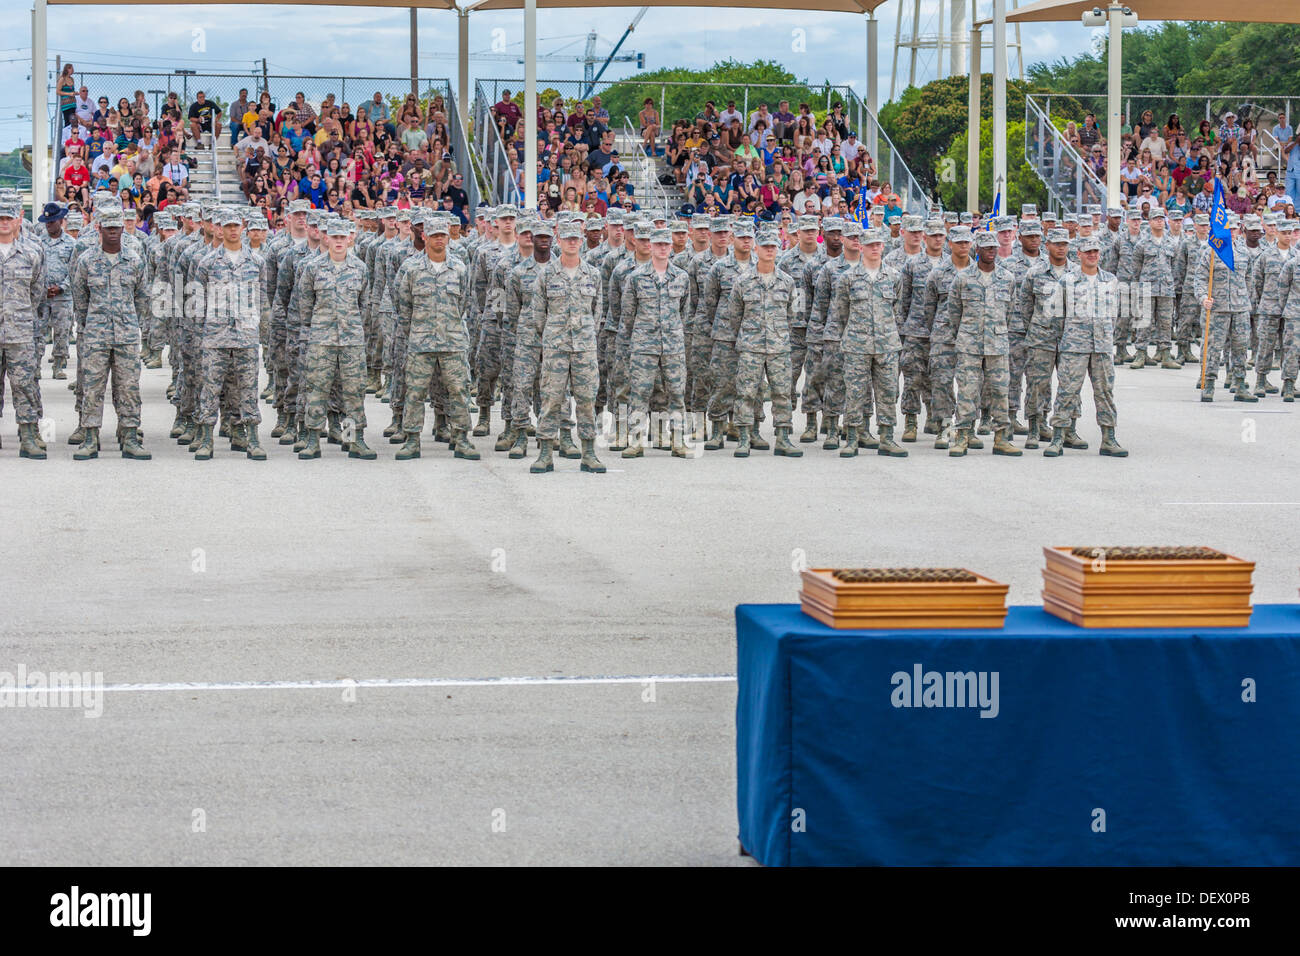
1220, 238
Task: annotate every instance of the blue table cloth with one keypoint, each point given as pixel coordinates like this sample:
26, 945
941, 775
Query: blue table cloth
1039, 744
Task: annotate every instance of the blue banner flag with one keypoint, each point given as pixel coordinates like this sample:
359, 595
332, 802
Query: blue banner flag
862, 205
997, 205
1220, 237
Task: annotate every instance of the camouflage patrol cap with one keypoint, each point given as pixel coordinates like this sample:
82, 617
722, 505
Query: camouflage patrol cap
595, 224
833, 224
526, 225
1048, 216
873, 236
1286, 225
403, 215
388, 212
161, 221
254, 219
507, 211
130, 212
1201, 219
338, 227
1156, 213
1252, 222
364, 214
743, 230
1114, 212
768, 237
851, 229
1133, 214
614, 216
74, 220
1029, 209
1031, 228
1272, 218
678, 226
227, 217
660, 235
658, 215
986, 240
642, 230
700, 220
719, 224
568, 230
315, 218
1070, 217
1090, 244
111, 217
299, 205
437, 226
1058, 235
951, 217
9, 209
961, 234
913, 223
543, 228
934, 227
966, 218
1004, 223
808, 222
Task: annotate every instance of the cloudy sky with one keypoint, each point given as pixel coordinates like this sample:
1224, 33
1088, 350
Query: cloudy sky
363, 41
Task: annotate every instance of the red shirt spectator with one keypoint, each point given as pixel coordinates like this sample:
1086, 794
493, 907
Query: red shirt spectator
508, 110
76, 175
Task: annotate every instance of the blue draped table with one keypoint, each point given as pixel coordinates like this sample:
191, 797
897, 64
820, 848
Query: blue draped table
1145, 732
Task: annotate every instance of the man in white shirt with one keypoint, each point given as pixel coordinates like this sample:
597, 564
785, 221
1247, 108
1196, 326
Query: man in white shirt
729, 114
85, 107
850, 147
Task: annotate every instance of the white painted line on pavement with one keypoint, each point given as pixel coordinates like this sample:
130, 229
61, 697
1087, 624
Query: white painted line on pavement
407, 682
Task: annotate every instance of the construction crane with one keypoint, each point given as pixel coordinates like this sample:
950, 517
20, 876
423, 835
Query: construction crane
589, 59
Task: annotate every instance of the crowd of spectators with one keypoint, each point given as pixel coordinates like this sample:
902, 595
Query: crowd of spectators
337, 157
772, 163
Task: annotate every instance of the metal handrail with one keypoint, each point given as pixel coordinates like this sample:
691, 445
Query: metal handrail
1082, 185
649, 170
914, 197
461, 153
492, 151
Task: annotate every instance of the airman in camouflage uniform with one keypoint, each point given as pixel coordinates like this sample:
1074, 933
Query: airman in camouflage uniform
1041, 297
491, 268
432, 293
1087, 339
863, 320
24, 287
1266, 295
1124, 251
1190, 312
566, 307
802, 262
109, 297
760, 311
712, 310
614, 252
57, 245
943, 352
1153, 270
537, 237
699, 329
915, 332
828, 378
696, 406
1229, 320
979, 303
1288, 283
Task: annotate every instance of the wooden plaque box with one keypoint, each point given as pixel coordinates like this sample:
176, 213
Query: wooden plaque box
1147, 587
904, 598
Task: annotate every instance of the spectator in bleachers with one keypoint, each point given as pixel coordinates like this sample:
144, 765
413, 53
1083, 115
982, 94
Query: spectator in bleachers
204, 117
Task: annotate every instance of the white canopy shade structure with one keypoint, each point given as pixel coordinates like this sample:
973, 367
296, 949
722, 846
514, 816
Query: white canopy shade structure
40, 145
1242, 11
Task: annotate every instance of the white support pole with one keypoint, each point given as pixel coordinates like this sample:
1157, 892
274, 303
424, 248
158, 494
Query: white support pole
940, 66
916, 32
1000, 100
973, 124
462, 74
873, 89
1114, 56
530, 104
958, 14
40, 111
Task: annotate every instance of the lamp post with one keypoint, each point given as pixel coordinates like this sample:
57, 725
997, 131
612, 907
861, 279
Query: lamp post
1117, 17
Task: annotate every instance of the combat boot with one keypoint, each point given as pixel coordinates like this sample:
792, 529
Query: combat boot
719, 437
372, 383
1109, 446
40, 442
783, 447
973, 441
634, 449
461, 447
700, 427
410, 448
59, 368
265, 394
756, 440
810, 433
1031, 434
850, 449
223, 430
1002, 444
484, 426
1044, 430
77, 437
932, 425
238, 437
203, 449
1140, 359
290, 433
982, 427
941, 436
27, 447
1166, 360
567, 448
357, 448
188, 433
1207, 393
657, 441
519, 447
278, 430
310, 447
335, 434
301, 443
865, 438
442, 432
677, 444
530, 430
620, 439
1263, 386
742, 449
960, 443
131, 447
507, 438
1055, 448
153, 359
544, 462
887, 445
1017, 428
252, 447
396, 436
1242, 393
178, 426
1073, 440
909, 428
589, 460
832, 441
89, 447
733, 431
1288, 390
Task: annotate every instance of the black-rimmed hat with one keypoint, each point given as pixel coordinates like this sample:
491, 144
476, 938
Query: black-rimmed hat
53, 213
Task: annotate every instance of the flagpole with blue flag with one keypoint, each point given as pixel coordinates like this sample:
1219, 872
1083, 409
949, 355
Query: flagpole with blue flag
1220, 240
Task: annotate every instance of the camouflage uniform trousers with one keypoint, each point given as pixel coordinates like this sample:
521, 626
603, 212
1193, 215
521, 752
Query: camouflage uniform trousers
830, 382
604, 358
750, 369
644, 371
943, 370
1291, 349
865, 375
397, 377
798, 358
293, 387
1071, 367
563, 373
1270, 331
1157, 329
699, 350
488, 369
279, 365
453, 370
1124, 322
723, 366
191, 348
386, 326
1229, 331
95, 366
621, 380
60, 312
978, 376
1038, 372
335, 372
812, 396
374, 341
916, 373
1190, 315
506, 380
229, 381
18, 365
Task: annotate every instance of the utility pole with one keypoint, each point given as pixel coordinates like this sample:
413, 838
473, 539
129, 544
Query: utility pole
415, 52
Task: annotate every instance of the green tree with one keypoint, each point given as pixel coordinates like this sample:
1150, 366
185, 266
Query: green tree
1023, 184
